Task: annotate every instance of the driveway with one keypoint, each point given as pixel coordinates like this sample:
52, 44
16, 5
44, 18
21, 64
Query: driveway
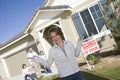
20, 77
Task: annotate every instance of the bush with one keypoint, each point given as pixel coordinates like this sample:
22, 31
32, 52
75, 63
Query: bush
94, 57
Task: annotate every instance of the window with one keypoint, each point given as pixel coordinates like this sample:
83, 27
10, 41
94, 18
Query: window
79, 25
89, 22
98, 18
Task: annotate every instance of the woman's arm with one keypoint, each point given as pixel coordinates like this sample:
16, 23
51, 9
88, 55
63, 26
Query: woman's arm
78, 47
47, 62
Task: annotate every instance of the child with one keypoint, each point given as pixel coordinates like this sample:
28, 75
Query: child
47, 70
27, 74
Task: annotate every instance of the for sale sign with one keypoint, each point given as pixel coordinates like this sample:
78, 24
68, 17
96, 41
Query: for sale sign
89, 47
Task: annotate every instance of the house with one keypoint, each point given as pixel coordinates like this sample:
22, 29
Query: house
76, 18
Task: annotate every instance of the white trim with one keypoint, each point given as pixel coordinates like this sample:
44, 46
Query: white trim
65, 9
96, 27
34, 17
18, 48
48, 24
87, 6
14, 41
42, 42
83, 24
104, 33
107, 32
47, 3
5, 67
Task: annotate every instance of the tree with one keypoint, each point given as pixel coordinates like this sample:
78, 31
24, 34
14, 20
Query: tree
112, 18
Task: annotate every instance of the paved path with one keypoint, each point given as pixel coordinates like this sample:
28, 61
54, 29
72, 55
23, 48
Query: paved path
20, 77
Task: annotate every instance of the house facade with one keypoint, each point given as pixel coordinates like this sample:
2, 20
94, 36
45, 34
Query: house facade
76, 18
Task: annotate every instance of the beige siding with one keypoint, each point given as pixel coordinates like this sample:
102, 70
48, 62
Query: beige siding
106, 43
16, 59
68, 27
26, 39
84, 5
14, 62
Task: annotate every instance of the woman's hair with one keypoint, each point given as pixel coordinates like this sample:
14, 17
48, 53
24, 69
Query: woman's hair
55, 29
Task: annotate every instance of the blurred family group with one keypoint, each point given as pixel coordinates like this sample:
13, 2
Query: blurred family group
34, 71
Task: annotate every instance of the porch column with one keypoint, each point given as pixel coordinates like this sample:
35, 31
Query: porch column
43, 43
5, 67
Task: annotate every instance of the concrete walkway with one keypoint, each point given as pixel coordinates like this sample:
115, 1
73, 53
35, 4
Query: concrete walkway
20, 77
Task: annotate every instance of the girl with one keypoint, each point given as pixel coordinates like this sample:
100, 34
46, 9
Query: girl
27, 74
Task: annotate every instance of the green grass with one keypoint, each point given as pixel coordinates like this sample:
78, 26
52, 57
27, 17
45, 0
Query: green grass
52, 77
99, 74
113, 73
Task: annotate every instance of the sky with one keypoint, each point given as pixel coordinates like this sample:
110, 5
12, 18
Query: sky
15, 16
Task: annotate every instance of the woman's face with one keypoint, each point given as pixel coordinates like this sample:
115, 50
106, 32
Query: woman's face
56, 38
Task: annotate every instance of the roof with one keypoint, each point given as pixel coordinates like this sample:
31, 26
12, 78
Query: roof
13, 39
60, 7
1, 44
48, 8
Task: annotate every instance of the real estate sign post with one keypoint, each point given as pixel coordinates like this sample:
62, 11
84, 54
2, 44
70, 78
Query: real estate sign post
89, 47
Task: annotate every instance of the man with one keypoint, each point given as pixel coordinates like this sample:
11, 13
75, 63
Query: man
30, 55
36, 67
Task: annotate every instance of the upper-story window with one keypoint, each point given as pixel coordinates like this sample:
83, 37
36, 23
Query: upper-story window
89, 22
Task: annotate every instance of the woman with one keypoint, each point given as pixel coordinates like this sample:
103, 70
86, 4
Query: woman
64, 54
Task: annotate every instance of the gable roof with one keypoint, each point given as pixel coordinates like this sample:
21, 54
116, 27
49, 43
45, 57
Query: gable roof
48, 8
60, 7
1, 44
13, 40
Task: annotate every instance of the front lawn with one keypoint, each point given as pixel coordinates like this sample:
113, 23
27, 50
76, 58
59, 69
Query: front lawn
101, 74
